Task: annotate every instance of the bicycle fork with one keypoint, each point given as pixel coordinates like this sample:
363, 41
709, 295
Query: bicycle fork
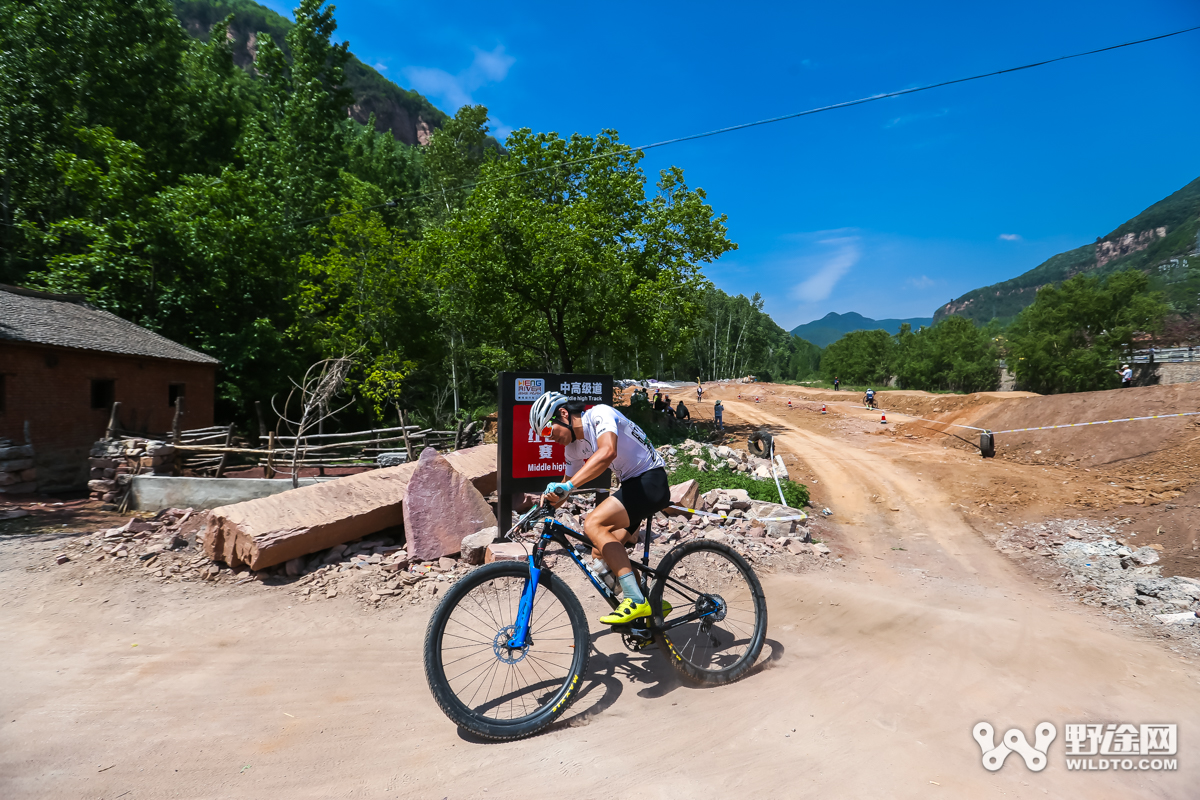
520, 637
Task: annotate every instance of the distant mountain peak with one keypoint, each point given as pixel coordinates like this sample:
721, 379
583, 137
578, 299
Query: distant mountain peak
833, 326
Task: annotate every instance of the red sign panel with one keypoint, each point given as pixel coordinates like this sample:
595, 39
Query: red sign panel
533, 456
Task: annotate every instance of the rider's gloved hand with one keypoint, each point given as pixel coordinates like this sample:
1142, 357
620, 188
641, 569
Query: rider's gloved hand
556, 493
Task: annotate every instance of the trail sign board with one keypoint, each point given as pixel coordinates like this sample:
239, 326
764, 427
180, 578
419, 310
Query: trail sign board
527, 461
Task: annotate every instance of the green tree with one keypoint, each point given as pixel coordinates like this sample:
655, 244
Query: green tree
953, 354
860, 357
1074, 337
559, 252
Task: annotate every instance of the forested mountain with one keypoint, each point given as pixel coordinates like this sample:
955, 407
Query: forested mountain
240, 211
408, 115
831, 327
1159, 241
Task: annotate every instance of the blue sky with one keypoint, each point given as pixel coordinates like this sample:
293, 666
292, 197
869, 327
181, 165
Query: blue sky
888, 209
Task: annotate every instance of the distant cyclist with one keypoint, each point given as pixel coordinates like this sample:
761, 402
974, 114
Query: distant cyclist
869, 398
595, 440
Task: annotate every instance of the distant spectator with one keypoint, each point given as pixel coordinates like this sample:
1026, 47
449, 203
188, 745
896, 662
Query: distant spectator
718, 409
836, 383
681, 411
699, 393
1126, 376
658, 401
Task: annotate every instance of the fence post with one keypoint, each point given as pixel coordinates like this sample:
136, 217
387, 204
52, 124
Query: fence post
176, 433
112, 421
225, 456
404, 432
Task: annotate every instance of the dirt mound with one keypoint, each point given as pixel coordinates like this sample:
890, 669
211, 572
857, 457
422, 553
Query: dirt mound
1090, 445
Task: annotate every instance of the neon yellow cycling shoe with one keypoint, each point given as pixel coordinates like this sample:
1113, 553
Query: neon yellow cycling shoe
629, 611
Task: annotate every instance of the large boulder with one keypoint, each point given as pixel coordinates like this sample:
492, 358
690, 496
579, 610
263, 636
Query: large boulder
441, 508
272, 530
473, 546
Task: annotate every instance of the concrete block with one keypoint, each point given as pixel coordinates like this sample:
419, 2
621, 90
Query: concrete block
271, 530
156, 492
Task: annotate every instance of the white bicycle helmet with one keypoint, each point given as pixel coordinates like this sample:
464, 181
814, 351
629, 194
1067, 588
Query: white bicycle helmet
543, 410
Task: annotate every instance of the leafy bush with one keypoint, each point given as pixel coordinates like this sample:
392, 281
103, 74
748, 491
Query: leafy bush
796, 494
953, 354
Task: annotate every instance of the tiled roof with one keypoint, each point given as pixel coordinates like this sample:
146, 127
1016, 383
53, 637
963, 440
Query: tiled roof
67, 321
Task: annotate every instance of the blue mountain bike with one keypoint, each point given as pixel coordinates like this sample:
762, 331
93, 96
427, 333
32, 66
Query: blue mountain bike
507, 648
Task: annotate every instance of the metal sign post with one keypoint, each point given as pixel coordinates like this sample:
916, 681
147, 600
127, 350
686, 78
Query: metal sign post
527, 462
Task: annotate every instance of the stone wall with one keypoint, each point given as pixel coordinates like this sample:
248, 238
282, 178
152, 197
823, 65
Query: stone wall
1186, 372
113, 464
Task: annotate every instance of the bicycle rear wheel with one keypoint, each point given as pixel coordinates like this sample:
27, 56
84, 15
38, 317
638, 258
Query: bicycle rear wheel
710, 579
487, 688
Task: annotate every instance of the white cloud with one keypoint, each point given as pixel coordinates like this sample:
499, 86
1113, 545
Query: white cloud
379, 66
907, 118
819, 286
455, 90
923, 282
1011, 237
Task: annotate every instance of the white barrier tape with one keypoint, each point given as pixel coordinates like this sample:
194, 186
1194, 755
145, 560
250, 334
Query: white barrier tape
1041, 428
1101, 422
800, 516
923, 419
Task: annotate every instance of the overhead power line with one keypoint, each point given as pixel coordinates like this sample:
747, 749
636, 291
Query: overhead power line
769, 121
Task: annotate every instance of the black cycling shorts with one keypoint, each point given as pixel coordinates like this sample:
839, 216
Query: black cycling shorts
644, 495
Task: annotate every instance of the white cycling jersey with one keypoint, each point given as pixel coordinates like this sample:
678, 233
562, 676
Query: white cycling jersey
635, 453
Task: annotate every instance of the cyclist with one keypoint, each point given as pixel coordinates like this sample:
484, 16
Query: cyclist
595, 440
870, 398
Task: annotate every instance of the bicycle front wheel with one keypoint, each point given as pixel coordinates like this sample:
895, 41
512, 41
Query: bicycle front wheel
484, 686
718, 588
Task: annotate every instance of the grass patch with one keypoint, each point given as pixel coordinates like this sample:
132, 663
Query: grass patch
796, 494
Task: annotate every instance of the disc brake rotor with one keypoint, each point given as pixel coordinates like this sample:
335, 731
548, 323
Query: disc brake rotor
506, 654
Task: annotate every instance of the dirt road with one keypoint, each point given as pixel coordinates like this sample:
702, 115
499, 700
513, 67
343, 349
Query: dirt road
874, 675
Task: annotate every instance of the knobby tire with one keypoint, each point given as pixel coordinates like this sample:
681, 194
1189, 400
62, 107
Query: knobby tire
439, 651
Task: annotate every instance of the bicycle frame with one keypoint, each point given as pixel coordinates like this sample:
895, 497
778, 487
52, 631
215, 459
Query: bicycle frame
553, 531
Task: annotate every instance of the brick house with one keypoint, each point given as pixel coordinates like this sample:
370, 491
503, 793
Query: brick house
63, 363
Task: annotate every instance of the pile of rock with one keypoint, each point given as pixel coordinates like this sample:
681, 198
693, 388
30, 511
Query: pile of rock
164, 550
751, 527
17, 473
1108, 569
114, 463
705, 458
139, 542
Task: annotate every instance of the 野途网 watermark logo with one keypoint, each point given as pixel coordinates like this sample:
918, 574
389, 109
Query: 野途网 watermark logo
1118, 742
1121, 741
1014, 741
